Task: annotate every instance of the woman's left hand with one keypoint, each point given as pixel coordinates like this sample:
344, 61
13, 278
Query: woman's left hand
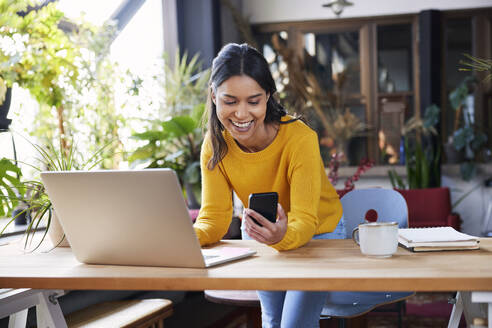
270, 233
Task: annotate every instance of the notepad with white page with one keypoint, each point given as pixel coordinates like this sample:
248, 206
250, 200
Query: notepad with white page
436, 239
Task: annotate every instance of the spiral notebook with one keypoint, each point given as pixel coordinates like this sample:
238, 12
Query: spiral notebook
436, 239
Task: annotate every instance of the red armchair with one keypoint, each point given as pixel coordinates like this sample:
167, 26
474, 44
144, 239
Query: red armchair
430, 207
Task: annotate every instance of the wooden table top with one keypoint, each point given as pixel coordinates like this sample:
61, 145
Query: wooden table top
319, 265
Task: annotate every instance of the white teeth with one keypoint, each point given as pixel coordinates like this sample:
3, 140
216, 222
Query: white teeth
242, 125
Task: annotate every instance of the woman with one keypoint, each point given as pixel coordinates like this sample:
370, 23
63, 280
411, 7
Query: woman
253, 146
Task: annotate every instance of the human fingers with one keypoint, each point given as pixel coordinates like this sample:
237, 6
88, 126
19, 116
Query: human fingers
254, 230
256, 235
271, 233
281, 216
258, 217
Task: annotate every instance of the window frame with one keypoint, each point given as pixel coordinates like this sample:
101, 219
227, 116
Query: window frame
367, 28
481, 20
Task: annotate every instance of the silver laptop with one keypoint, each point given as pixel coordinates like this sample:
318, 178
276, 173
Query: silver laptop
130, 218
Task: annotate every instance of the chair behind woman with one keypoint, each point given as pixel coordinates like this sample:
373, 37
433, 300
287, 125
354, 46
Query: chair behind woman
375, 204
360, 204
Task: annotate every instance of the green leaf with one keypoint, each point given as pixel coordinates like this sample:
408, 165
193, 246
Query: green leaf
461, 138
179, 126
407, 160
151, 135
431, 116
479, 140
468, 170
466, 136
420, 166
142, 153
477, 64
458, 95
10, 186
436, 163
3, 90
396, 180
197, 113
391, 175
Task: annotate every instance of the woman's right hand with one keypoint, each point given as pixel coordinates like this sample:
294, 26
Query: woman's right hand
270, 233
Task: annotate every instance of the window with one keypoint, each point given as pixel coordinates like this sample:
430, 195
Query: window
364, 71
395, 88
395, 58
130, 50
378, 58
334, 59
95, 11
458, 41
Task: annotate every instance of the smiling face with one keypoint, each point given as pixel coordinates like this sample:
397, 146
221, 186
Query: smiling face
241, 105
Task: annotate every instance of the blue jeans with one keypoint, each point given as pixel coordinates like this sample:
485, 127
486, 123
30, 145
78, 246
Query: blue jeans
294, 308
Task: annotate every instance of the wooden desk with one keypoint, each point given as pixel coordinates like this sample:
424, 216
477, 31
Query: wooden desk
320, 265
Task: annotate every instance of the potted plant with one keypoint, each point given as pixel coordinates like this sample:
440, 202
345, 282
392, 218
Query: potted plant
175, 143
466, 138
174, 139
422, 154
33, 194
89, 111
473, 63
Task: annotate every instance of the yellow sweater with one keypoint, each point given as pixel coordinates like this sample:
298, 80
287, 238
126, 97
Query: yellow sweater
291, 165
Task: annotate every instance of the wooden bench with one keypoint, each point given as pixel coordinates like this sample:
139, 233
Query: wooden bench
149, 313
14, 303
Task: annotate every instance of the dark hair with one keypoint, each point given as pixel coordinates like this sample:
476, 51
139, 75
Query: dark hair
232, 60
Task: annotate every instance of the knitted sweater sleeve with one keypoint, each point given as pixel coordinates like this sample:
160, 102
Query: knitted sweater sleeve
305, 188
215, 214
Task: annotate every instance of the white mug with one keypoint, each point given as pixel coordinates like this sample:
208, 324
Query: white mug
377, 239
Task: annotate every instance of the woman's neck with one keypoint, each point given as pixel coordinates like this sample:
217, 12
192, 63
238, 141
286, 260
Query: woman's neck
262, 141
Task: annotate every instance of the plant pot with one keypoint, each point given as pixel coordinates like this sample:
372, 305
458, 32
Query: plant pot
4, 110
55, 232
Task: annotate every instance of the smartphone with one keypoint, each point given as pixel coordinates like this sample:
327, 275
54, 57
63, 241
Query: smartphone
264, 203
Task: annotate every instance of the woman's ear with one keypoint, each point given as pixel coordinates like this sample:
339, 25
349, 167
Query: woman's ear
212, 95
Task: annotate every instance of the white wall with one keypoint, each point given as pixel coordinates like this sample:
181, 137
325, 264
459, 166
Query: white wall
263, 11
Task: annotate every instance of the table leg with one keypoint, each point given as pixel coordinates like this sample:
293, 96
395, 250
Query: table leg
15, 303
454, 319
18, 319
490, 315
48, 311
15, 300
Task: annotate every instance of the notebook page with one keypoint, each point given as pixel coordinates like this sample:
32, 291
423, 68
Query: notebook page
436, 234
